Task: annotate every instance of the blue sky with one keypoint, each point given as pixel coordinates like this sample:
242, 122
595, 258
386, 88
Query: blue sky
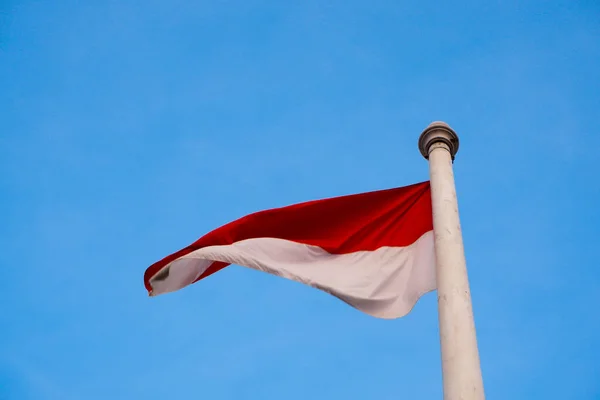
130, 128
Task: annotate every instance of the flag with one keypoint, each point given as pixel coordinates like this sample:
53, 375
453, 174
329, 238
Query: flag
374, 250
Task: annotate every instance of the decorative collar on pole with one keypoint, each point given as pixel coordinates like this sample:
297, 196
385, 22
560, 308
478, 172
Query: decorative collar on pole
438, 132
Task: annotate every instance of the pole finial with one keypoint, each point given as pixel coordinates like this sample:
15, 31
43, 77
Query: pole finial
438, 132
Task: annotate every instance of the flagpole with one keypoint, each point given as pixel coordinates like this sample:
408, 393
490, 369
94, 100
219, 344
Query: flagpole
461, 369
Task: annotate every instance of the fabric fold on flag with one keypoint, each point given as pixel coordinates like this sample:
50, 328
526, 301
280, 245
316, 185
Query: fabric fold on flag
374, 251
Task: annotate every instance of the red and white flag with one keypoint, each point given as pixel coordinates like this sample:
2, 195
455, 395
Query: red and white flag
373, 250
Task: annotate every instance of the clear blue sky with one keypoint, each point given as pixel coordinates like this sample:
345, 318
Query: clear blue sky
130, 128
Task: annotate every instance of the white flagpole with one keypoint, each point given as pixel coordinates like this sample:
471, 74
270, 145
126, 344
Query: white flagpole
460, 358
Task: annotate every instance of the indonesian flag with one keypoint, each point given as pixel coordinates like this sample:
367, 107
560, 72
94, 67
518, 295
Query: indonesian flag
374, 251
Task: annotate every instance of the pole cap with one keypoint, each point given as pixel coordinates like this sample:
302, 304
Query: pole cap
438, 132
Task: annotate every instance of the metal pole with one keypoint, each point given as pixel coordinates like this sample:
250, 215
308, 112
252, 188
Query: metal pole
461, 370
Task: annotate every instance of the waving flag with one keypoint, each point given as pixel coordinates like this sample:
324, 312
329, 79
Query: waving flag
374, 250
